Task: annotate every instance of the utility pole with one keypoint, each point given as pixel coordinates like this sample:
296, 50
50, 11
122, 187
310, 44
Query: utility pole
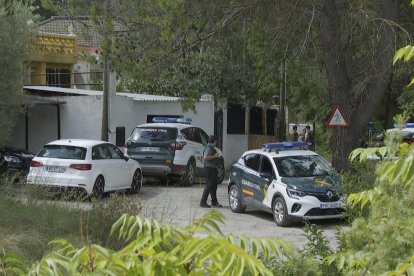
282, 101
105, 107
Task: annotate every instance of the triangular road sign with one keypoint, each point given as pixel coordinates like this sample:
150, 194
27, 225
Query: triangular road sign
337, 119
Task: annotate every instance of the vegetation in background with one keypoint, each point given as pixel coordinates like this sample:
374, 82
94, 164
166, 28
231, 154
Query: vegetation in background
16, 25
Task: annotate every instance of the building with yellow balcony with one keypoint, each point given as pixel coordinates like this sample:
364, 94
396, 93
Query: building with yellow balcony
53, 57
63, 54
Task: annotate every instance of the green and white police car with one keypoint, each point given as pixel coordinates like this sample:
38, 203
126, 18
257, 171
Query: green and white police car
171, 147
288, 180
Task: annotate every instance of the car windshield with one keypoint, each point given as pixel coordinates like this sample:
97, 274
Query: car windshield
62, 152
302, 166
154, 134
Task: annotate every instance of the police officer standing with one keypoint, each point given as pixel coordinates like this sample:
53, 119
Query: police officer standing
211, 164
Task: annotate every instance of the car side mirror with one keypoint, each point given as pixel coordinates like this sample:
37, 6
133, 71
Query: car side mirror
126, 158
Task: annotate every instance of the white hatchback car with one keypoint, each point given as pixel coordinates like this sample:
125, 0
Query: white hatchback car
89, 166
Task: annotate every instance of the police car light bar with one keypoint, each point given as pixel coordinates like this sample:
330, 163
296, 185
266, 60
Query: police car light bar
285, 146
405, 125
171, 120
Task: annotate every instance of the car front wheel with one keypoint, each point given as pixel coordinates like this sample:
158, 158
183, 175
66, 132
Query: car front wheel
280, 214
235, 200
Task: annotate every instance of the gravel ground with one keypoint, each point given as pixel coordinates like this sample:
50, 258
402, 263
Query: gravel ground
180, 206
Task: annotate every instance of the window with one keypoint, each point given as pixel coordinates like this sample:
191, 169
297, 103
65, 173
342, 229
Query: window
235, 119
114, 151
63, 152
255, 120
58, 77
203, 136
188, 133
270, 121
302, 166
154, 133
100, 152
252, 161
267, 166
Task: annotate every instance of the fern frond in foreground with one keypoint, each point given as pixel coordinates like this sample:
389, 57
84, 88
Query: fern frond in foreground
162, 249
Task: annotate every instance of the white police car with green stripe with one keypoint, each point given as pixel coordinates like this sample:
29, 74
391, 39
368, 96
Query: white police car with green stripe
171, 147
288, 180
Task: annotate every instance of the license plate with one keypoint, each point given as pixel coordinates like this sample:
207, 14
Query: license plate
331, 205
55, 169
150, 149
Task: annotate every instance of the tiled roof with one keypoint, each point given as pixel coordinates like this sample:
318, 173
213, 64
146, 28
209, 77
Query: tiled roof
80, 26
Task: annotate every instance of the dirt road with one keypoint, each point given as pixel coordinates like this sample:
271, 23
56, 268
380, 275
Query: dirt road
180, 206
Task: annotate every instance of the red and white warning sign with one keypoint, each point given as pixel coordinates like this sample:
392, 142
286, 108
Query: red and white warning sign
337, 118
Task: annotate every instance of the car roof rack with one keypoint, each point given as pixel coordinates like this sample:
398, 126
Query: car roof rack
285, 146
171, 120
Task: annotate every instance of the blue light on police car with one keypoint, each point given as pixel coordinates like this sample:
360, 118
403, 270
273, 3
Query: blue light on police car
405, 125
184, 120
171, 120
285, 145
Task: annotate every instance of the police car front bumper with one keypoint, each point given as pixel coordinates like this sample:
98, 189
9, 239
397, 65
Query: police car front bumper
312, 208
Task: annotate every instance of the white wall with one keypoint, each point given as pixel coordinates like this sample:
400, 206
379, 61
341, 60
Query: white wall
233, 144
128, 113
80, 117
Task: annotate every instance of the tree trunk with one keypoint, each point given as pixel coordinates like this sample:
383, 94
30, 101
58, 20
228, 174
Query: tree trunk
358, 112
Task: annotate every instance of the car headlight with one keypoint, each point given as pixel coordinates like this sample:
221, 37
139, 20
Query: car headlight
294, 193
12, 159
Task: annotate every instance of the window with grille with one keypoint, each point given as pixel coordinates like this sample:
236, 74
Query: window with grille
58, 77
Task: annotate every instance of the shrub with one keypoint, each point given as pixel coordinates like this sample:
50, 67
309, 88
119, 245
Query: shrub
384, 238
30, 218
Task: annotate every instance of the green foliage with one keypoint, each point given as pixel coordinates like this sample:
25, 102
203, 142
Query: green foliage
11, 264
406, 268
318, 248
297, 264
16, 24
317, 245
161, 249
27, 226
382, 240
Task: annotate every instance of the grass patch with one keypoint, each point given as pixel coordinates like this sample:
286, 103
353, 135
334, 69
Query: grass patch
29, 219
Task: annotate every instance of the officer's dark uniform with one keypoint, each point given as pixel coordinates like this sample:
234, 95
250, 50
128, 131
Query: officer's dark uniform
211, 170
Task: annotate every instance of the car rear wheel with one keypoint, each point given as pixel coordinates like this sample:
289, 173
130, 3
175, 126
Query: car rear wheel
220, 172
235, 200
280, 214
136, 183
189, 175
98, 187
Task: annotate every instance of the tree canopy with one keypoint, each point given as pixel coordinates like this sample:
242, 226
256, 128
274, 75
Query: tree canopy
338, 53
16, 24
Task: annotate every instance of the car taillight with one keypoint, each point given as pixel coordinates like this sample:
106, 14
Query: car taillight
36, 164
81, 167
177, 145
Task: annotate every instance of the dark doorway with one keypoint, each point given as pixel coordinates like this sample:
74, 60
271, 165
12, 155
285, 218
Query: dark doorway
218, 127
